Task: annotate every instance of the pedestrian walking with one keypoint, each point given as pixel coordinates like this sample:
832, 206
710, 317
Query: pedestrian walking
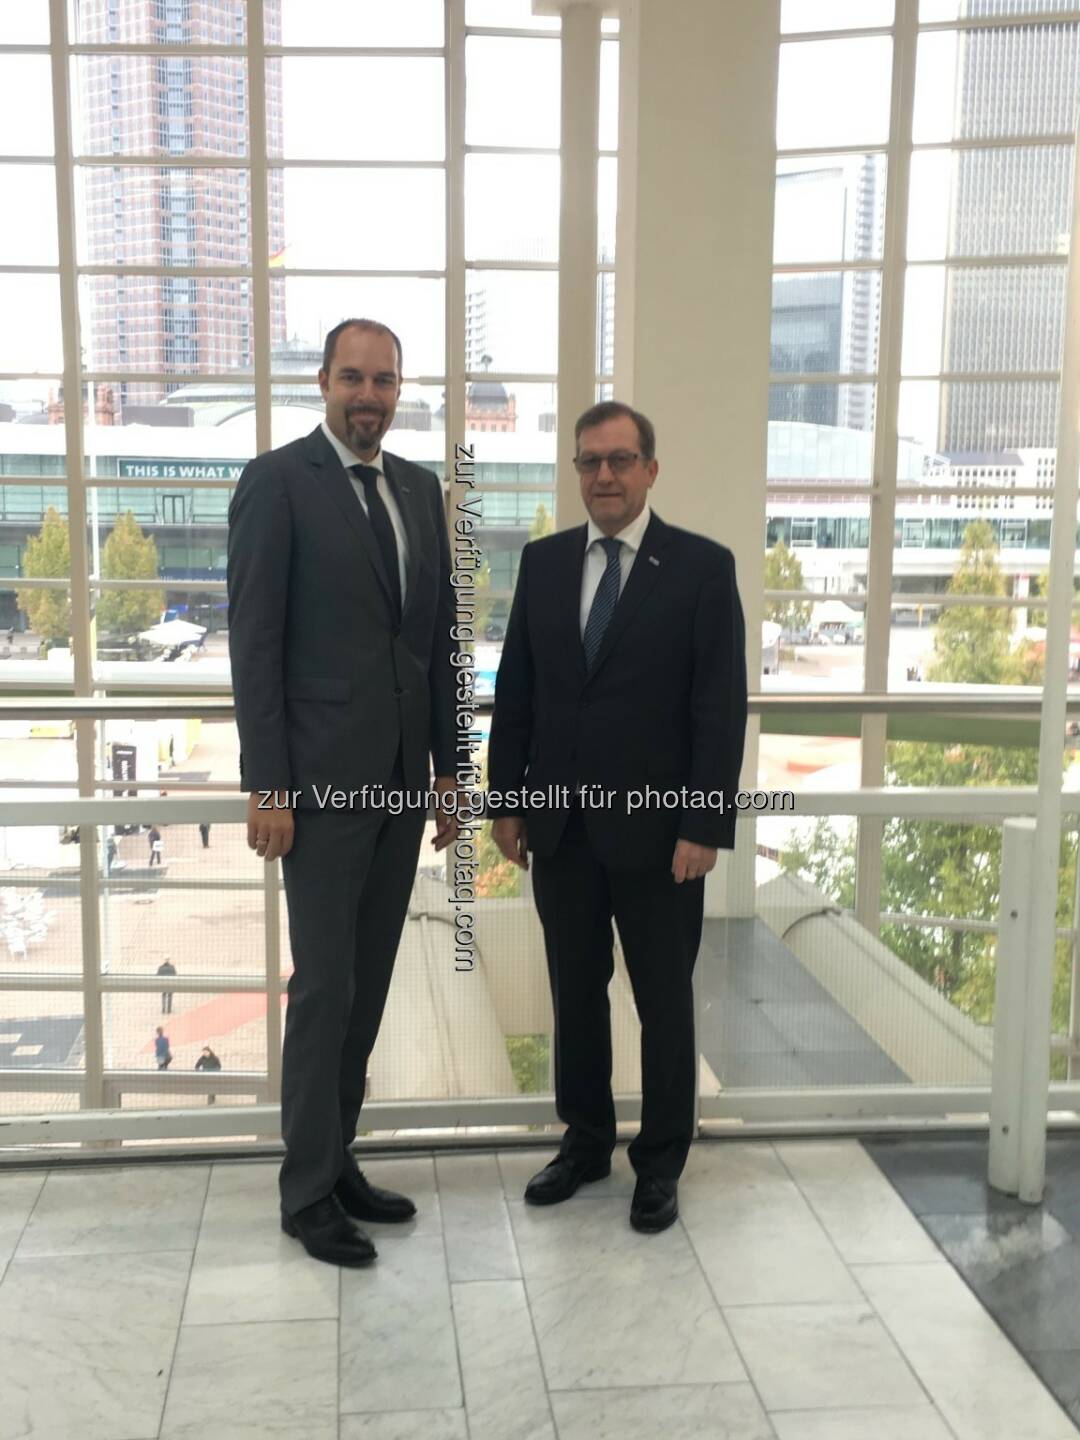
166, 968
204, 831
162, 1053
156, 847
208, 1061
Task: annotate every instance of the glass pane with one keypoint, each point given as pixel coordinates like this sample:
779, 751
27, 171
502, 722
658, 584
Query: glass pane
977, 84
495, 407
25, 24
856, 77
826, 322
161, 105
134, 215
40, 1029
26, 121
38, 620
175, 531
607, 199
191, 658
418, 431
410, 204
508, 15
28, 193
931, 10
23, 401
605, 323
511, 320
514, 509
30, 334
362, 22
512, 91
828, 209
414, 309
982, 417
319, 105
1013, 201
819, 544
168, 22
994, 319
176, 325
798, 15
233, 1025
609, 95
512, 207
813, 762
822, 432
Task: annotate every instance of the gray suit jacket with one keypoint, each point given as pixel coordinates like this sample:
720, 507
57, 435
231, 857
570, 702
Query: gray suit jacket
327, 683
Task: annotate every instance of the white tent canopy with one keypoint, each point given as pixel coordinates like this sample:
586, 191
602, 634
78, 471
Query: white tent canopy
173, 632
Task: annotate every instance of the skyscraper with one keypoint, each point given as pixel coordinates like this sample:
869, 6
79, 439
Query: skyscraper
825, 321
1014, 199
171, 215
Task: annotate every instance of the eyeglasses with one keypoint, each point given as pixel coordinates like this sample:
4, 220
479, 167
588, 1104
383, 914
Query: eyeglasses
619, 462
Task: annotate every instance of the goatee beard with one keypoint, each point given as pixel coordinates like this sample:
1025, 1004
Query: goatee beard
363, 439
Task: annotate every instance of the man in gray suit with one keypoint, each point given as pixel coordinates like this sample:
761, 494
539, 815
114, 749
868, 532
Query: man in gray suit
340, 609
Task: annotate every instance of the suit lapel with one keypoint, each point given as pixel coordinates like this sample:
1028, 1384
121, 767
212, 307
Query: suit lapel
644, 574
337, 484
403, 495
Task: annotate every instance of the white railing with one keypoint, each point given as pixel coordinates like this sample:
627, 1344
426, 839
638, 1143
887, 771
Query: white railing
98, 1090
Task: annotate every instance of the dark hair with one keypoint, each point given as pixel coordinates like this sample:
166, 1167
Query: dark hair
375, 327
613, 410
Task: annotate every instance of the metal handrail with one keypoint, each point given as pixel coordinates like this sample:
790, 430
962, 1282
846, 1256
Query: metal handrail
1012, 701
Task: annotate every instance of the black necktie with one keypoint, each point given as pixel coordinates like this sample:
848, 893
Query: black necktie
384, 530
604, 602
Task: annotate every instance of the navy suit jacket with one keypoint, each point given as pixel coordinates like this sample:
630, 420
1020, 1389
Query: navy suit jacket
663, 707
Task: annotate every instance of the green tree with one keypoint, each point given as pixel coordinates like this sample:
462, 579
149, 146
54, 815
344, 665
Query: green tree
48, 556
543, 523
530, 1060
128, 554
783, 571
971, 642
935, 868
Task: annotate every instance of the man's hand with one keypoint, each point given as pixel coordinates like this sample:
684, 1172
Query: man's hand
510, 836
269, 831
690, 861
446, 824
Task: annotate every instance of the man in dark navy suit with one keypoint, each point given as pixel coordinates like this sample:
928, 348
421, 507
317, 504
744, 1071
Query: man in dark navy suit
340, 609
621, 698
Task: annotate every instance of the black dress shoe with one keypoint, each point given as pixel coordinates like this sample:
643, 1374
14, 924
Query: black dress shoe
655, 1205
561, 1178
327, 1233
363, 1201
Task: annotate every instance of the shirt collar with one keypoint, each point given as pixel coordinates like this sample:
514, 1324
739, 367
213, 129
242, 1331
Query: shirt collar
346, 456
631, 536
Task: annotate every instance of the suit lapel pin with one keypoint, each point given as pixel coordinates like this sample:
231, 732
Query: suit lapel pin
653, 560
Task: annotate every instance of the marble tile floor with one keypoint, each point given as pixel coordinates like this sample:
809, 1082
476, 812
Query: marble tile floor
797, 1298
1022, 1261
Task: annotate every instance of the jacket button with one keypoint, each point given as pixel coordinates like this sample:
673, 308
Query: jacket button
398, 693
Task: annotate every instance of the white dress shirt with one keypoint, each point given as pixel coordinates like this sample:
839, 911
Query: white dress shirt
596, 559
382, 485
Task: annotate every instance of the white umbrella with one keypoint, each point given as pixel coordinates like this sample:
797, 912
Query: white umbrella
173, 632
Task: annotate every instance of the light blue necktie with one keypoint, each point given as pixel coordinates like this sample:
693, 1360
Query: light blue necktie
604, 602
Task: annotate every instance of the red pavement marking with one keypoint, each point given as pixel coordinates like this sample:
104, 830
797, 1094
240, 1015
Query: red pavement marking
217, 1017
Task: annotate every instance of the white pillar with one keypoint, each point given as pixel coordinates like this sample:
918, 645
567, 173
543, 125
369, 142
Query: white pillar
1010, 1004
693, 264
